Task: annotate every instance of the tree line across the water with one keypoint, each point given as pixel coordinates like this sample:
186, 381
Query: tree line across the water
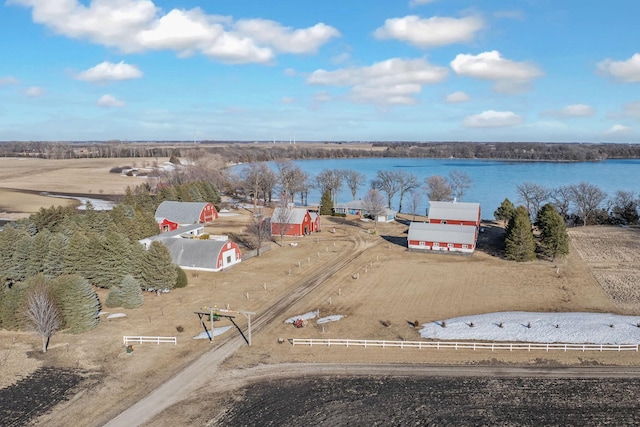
245, 152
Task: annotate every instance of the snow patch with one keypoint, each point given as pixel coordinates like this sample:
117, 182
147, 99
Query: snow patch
306, 316
327, 319
216, 331
116, 315
520, 326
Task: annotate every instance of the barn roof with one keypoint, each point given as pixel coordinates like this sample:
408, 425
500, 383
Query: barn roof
296, 217
177, 233
180, 212
195, 253
458, 211
445, 233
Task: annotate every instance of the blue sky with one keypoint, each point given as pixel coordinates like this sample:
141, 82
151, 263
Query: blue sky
349, 70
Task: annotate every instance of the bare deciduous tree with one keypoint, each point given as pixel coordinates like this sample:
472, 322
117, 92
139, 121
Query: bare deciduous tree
415, 202
561, 200
354, 180
281, 219
260, 231
406, 182
288, 176
438, 188
386, 181
460, 183
587, 198
374, 205
329, 179
42, 313
533, 196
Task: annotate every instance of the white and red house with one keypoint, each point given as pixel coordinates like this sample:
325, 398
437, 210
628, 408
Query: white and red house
426, 236
189, 251
452, 227
171, 215
293, 222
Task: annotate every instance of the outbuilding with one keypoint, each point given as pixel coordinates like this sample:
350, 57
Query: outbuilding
424, 236
291, 221
203, 255
454, 213
170, 214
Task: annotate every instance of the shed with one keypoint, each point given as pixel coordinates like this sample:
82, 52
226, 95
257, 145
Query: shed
293, 221
315, 221
170, 215
204, 255
454, 213
442, 237
188, 232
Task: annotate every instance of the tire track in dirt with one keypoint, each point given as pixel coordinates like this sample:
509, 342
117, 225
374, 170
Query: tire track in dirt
202, 370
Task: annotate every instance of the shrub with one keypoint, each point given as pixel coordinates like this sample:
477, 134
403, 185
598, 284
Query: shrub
181, 279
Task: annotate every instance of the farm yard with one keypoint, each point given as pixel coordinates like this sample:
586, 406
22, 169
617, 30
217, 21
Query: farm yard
380, 292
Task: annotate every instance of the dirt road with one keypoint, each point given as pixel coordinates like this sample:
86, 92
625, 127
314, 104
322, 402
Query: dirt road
203, 370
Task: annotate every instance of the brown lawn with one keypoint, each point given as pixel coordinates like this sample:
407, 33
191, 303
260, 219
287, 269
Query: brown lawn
386, 283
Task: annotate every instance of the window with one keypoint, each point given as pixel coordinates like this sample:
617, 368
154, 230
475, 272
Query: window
465, 246
421, 243
436, 244
229, 259
449, 245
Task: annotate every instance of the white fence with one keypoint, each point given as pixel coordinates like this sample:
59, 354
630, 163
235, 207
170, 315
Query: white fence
464, 345
128, 340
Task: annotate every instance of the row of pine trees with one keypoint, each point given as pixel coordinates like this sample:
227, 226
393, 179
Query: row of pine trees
522, 244
68, 253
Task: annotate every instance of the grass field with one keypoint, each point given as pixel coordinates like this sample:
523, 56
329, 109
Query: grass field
393, 287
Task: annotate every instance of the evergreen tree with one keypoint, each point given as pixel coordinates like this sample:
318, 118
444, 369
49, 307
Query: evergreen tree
75, 257
326, 203
554, 239
131, 293
181, 278
8, 239
12, 299
115, 262
78, 303
20, 259
39, 251
114, 298
158, 271
505, 211
54, 261
519, 244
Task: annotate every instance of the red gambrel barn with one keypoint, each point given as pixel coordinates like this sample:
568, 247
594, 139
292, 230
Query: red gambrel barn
170, 215
454, 213
426, 236
298, 222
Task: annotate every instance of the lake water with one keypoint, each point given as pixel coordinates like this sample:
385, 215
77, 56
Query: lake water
492, 180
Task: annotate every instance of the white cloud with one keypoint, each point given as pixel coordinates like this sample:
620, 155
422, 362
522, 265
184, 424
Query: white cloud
394, 81
139, 26
420, 2
430, 32
8, 80
109, 101
510, 76
492, 119
107, 71
623, 71
322, 96
34, 92
577, 110
619, 130
457, 97
632, 109
286, 39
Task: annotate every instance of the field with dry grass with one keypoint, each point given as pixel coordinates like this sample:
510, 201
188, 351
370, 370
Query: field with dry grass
380, 292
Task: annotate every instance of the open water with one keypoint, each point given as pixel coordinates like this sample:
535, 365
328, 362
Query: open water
493, 181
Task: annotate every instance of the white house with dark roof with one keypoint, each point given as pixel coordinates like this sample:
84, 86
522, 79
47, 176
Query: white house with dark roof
425, 236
